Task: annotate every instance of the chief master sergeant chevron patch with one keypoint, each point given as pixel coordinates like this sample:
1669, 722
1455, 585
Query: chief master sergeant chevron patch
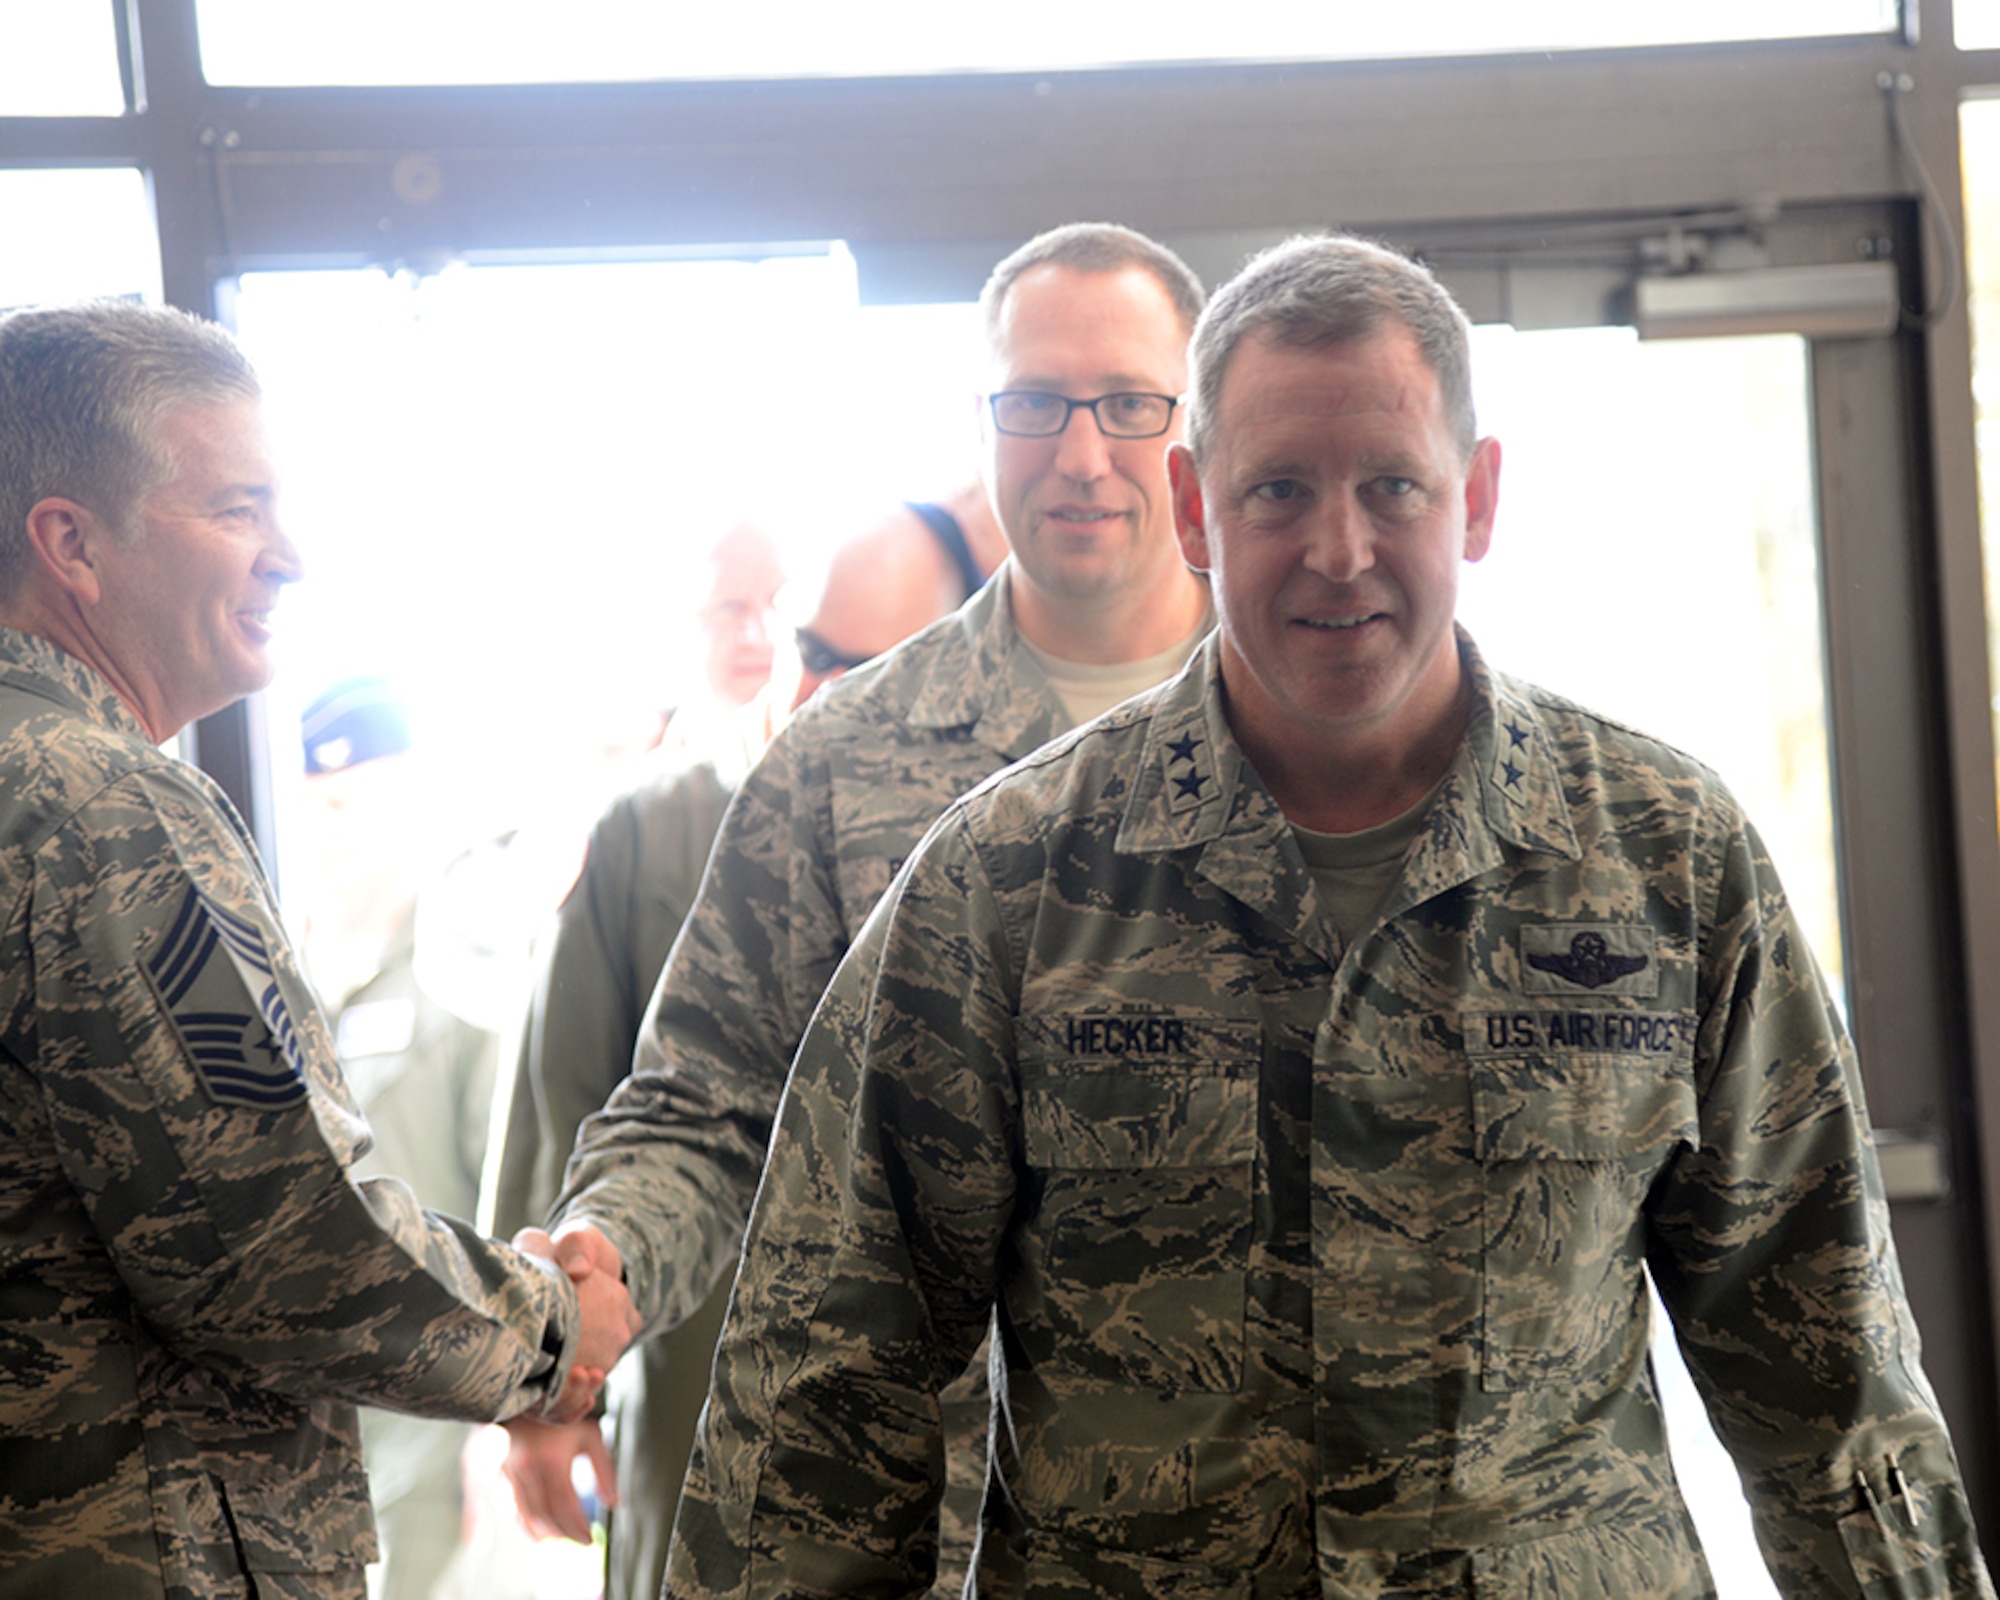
214, 975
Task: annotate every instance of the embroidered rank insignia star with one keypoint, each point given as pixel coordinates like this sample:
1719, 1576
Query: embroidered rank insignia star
1184, 773
1507, 772
214, 974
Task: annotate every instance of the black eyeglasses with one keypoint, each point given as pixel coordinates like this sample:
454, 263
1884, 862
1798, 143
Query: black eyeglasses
1036, 414
820, 658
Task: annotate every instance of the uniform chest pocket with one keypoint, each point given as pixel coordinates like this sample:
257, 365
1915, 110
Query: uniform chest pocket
1136, 1255
1568, 1148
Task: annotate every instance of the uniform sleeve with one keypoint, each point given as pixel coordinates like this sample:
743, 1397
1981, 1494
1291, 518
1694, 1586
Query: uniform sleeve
1772, 1252
870, 1268
670, 1166
594, 976
576, 1040
200, 1115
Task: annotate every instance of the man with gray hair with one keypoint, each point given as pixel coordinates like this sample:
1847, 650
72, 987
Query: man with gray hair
1306, 1063
194, 1290
1087, 330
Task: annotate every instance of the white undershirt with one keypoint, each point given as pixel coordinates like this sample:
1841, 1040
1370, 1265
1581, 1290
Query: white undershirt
1087, 689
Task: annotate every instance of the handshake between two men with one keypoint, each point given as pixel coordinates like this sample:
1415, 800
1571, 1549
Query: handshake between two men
608, 1322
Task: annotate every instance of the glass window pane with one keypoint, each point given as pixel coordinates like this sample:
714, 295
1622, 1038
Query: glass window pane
503, 481
511, 41
1654, 496
58, 58
70, 233
921, 365
1606, 560
497, 477
1975, 24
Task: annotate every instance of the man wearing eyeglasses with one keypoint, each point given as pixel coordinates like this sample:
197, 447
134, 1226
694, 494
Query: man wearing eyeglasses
1087, 328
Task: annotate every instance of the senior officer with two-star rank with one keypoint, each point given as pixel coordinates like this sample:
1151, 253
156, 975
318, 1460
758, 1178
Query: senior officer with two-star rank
1307, 1060
194, 1292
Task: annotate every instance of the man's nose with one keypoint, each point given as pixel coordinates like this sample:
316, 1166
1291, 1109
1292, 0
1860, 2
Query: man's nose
281, 560
1082, 452
1340, 540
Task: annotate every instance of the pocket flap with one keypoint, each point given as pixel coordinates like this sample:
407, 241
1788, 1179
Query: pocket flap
1109, 1119
1580, 1108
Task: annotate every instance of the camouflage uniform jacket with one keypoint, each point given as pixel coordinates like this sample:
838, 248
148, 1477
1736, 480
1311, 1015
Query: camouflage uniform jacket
193, 1289
810, 842
1320, 1271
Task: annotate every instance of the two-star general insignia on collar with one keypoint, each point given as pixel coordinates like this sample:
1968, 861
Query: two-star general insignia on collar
1514, 756
1190, 772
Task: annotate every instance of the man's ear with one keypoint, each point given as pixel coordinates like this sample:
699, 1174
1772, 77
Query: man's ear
1190, 515
1482, 498
64, 536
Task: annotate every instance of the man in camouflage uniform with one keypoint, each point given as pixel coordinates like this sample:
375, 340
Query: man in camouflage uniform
1087, 327
193, 1290
1308, 1060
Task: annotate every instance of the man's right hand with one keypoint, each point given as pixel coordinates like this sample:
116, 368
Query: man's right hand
608, 1320
538, 1465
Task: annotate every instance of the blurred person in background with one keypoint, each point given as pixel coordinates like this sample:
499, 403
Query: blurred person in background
422, 1074
596, 972
895, 576
594, 969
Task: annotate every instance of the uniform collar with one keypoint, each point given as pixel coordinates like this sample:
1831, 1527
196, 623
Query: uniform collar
1193, 770
1503, 793
984, 679
1195, 788
1511, 763
38, 666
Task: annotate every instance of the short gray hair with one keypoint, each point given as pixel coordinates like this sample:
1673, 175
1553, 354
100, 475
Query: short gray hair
1092, 247
1329, 289
84, 392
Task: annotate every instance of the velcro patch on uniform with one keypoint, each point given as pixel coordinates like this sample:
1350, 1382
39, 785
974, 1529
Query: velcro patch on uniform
1134, 1037
1593, 1031
1590, 958
213, 972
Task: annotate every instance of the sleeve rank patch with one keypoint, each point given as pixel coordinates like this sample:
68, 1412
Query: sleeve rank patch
214, 973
